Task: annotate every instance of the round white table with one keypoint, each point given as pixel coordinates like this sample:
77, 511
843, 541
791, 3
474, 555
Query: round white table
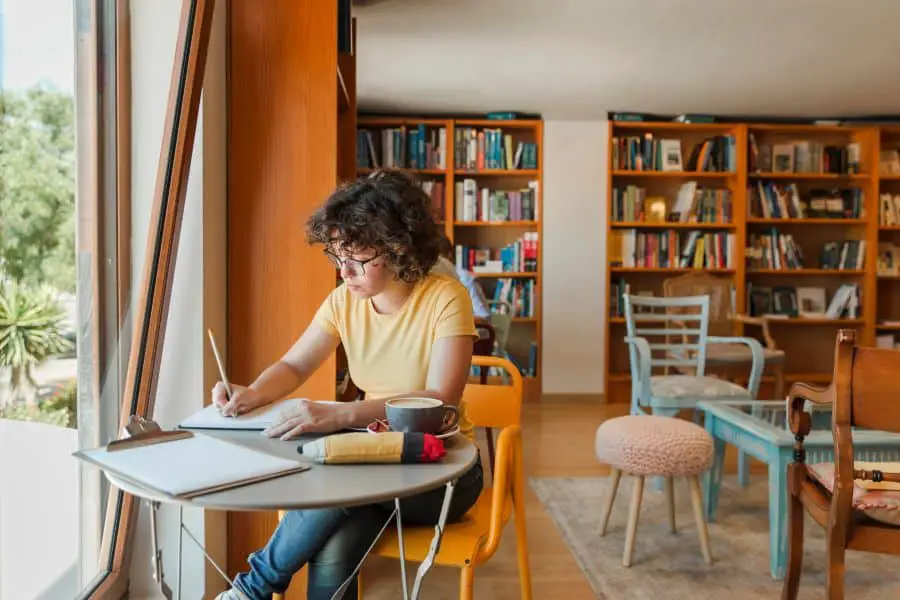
322, 486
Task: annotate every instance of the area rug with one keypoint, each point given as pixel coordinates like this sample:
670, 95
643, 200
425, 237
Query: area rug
669, 566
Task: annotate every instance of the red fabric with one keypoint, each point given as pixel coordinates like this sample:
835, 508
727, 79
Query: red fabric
432, 449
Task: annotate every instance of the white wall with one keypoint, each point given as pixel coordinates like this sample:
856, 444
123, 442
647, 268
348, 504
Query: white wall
574, 254
183, 382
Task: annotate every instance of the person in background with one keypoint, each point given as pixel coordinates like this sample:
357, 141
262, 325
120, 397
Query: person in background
445, 266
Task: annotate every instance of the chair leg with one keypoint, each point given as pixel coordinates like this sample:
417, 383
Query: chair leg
489, 433
634, 511
697, 502
616, 475
834, 579
670, 501
791, 585
466, 582
521, 530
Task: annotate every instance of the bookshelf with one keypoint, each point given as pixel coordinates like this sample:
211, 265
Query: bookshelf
789, 214
485, 180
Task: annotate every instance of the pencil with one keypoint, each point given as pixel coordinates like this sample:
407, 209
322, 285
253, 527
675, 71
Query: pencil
215, 350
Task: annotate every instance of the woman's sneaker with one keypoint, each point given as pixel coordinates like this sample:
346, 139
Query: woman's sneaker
232, 594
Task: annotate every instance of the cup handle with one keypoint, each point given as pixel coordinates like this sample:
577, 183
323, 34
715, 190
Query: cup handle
451, 416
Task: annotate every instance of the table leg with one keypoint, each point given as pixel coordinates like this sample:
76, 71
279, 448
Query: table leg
180, 540
778, 513
402, 549
435, 541
712, 482
157, 553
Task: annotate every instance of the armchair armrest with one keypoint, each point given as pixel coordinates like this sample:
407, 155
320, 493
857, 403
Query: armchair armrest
639, 349
756, 350
762, 322
798, 418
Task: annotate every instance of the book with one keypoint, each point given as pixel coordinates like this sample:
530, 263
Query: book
255, 420
185, 467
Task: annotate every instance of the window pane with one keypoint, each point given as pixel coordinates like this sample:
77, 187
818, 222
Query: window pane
59, 363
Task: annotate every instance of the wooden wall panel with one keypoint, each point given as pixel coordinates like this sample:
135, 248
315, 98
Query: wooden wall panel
282, 161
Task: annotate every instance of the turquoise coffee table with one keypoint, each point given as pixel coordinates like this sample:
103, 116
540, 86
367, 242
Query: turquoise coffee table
760, 429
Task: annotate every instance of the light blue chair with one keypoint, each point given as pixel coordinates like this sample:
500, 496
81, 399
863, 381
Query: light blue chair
671, 334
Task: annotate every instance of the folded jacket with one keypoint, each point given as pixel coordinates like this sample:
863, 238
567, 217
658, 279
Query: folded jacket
359, 447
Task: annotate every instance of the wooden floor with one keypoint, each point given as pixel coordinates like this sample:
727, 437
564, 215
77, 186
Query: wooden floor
558, 442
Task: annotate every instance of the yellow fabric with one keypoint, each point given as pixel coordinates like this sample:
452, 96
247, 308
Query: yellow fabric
390, 354
363, 448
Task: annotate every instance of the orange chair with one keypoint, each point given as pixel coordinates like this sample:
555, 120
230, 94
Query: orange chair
474, 540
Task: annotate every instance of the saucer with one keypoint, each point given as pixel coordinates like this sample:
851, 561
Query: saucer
382, 427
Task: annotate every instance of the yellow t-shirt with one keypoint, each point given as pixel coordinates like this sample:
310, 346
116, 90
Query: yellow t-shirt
389, 354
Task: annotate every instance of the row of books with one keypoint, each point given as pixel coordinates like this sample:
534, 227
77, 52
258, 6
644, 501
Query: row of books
435, 190
693, 205
492, 149
518, 257
889, 209
789, 301
402, 148
647, 153
769, 200
519, 293
484, 204
779, 251
804, 156
672, 249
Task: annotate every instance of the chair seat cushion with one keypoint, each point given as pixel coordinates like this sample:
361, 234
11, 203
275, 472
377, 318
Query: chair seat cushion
879, 501
654, 445
739, 353
690, 386
460, 542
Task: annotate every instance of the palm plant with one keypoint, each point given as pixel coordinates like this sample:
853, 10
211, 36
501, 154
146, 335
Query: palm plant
30, 332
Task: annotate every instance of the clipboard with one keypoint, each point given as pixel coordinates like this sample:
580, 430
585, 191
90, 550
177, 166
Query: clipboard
183, 465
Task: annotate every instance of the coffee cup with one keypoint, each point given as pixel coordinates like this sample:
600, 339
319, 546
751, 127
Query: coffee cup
420, 415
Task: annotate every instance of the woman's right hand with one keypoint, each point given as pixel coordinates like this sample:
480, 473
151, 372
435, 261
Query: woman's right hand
243, 399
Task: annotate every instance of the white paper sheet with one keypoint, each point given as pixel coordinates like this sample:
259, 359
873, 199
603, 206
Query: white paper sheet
182, 467
257, 420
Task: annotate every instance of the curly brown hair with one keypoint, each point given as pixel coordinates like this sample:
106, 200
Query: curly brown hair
387, 212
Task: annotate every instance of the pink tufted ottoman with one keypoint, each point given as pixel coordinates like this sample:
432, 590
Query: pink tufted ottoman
651, 446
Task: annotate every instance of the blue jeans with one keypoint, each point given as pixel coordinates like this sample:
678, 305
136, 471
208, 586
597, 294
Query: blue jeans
334, 540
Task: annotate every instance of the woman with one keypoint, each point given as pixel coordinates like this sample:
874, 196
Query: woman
405, 332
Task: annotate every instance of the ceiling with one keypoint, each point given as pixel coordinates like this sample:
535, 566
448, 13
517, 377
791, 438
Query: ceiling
578, 59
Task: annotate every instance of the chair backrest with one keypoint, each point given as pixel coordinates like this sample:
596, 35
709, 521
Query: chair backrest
487, 337
675, 329
502, 321
864, 385
494, 405
721, 297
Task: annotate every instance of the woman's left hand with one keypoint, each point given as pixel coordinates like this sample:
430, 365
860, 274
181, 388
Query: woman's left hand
309, 416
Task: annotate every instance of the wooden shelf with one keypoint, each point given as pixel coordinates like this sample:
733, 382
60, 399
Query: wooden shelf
807, 272
495, 223
484, 234
509, 274
647, 225
672, 174
850, 176
497, 172
808, 343
810, 221
665, 270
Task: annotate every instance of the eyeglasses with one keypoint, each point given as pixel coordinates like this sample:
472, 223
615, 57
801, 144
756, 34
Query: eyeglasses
356, 268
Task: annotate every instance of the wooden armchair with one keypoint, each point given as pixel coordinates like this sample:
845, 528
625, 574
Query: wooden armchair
862, 394
722, 318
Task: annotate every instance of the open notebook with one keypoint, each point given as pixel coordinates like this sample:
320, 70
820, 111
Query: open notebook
192, 466
259, 419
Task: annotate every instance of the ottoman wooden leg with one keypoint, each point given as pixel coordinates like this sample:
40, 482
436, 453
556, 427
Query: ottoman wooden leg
670, 501
697, 501
615, 474
633, 513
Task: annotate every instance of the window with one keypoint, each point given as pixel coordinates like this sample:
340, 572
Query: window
84, 359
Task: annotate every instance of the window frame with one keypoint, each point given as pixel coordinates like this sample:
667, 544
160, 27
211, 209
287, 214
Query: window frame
103, 63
